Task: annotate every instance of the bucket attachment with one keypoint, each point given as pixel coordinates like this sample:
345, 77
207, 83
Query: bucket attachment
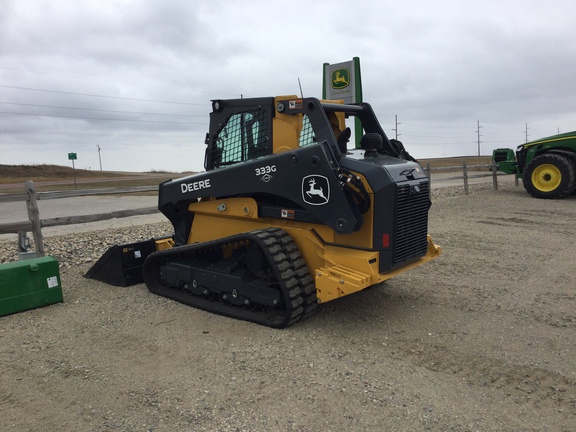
121, 265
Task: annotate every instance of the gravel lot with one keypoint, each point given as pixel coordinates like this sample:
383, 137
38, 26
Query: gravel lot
481, 339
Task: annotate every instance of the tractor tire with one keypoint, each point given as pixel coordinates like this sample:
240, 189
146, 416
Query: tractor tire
550, 176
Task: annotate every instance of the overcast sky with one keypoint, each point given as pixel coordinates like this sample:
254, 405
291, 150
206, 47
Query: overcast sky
135, 78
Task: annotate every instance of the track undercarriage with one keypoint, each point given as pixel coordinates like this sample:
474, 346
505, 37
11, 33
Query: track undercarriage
258, 276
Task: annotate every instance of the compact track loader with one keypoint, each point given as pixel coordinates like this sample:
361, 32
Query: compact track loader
285, 216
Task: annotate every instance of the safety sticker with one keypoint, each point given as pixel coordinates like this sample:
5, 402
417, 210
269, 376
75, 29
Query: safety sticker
287, 214
52, 282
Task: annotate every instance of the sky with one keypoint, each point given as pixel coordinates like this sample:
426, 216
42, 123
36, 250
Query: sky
127, 84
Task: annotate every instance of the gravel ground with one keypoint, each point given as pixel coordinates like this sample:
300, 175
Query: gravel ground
481, 339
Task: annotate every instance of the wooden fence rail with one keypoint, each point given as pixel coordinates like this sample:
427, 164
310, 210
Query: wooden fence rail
466, 175
34, 224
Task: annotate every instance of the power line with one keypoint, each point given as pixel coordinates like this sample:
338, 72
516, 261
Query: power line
433, 123
102, 96
98, 118
99, 133
100, 110
180, 89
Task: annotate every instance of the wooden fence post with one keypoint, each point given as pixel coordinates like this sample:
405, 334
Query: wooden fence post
465, 178
494, 175
34, 216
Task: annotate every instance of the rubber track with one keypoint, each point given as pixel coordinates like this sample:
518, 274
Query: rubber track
286, 261
298, 265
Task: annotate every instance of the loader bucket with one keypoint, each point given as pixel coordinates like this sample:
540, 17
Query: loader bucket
121, 265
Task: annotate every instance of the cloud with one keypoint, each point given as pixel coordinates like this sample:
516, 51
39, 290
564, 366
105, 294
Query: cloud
136, 77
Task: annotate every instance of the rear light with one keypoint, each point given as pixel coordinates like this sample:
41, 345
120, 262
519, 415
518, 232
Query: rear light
385, 240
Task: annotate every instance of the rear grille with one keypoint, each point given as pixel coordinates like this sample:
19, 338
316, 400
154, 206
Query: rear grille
411, 221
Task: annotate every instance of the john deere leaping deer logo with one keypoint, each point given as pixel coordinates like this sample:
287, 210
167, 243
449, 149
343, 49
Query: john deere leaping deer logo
315, 190
340, 78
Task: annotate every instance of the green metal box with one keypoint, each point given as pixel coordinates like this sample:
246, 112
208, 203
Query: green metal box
29, 284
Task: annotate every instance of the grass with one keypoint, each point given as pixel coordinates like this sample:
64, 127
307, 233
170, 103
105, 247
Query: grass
37, 173
62, 178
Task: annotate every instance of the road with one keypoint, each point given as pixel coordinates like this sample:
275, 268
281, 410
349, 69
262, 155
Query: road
78, 206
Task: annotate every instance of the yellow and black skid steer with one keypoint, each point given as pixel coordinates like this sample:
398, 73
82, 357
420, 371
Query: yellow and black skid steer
285, 216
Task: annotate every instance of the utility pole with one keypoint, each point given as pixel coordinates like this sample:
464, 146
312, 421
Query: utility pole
526, 132
99, 158
396, 128
478, 132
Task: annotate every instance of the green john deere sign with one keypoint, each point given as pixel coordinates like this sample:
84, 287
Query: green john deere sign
342, 81
341, 78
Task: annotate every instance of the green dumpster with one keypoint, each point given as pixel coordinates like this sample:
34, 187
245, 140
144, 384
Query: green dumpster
29, 284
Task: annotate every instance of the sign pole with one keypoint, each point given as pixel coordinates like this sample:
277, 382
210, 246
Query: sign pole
73, 157
74, 171
358, 92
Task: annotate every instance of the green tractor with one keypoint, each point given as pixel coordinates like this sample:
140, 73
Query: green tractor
546, 166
